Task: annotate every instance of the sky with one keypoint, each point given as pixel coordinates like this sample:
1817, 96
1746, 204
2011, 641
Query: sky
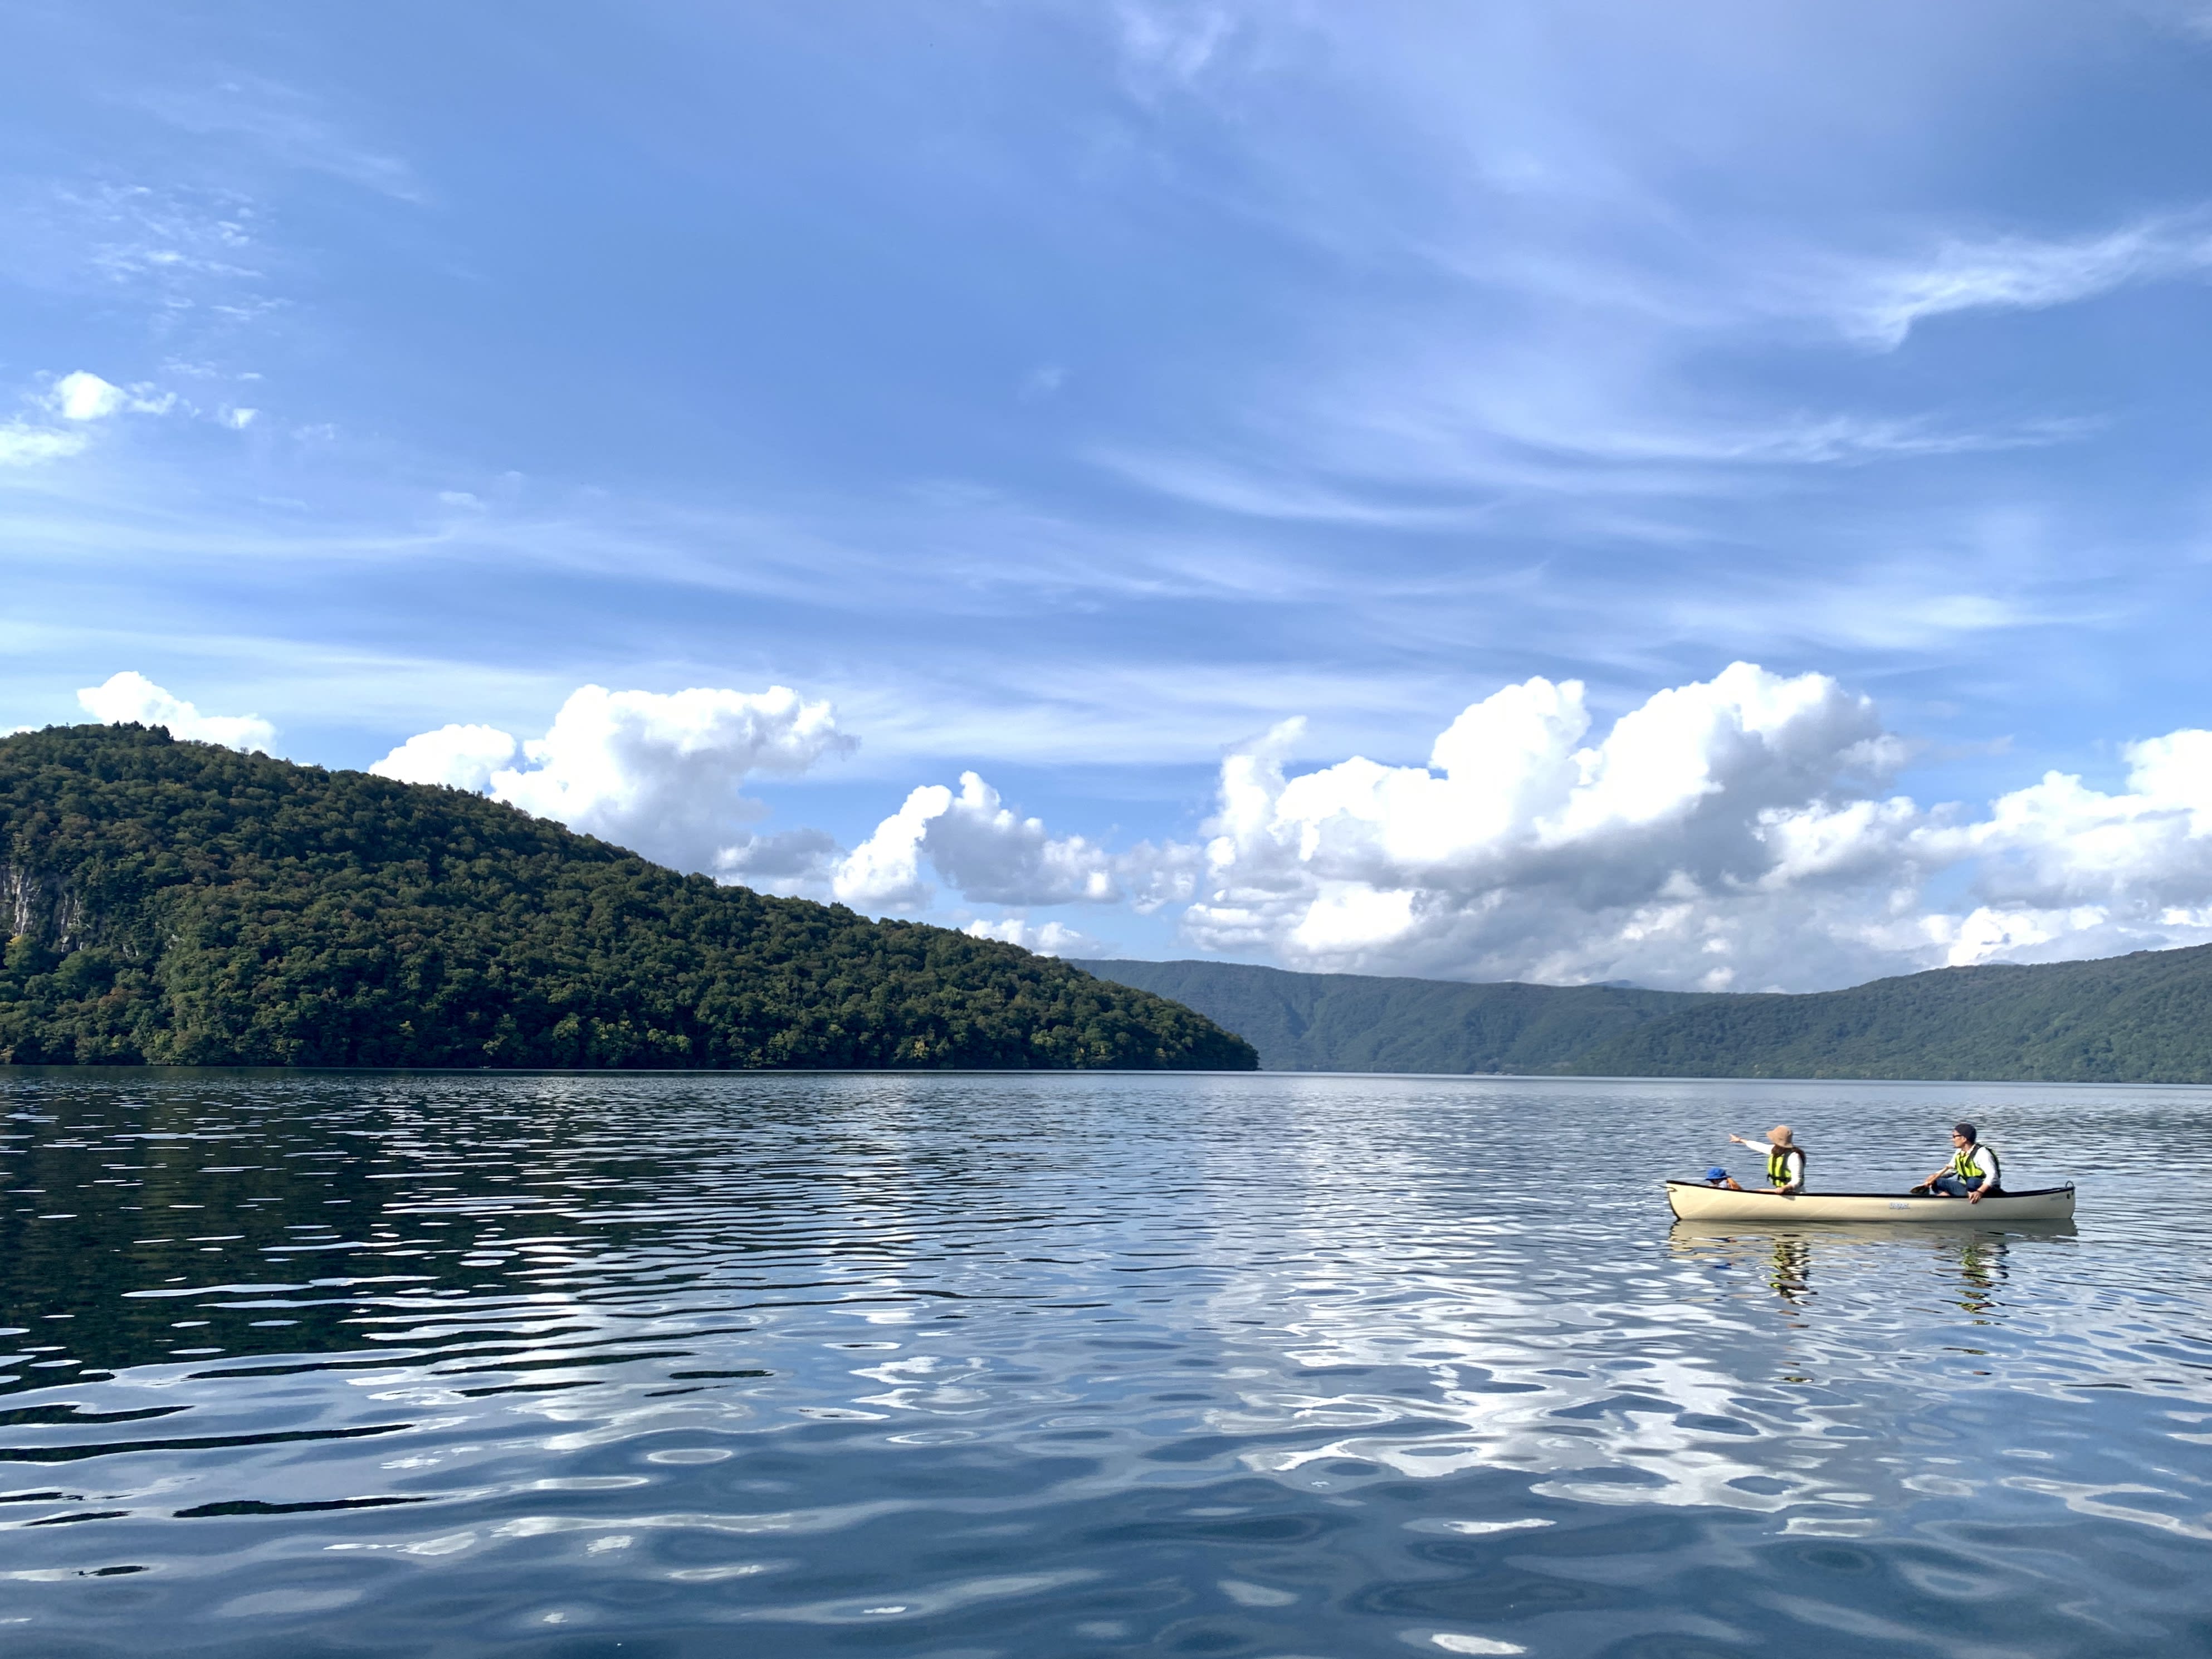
1712, 496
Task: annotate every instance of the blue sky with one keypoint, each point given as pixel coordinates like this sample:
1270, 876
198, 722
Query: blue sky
1072, 393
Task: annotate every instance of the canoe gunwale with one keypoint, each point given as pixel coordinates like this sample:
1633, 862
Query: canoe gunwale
1761, 1191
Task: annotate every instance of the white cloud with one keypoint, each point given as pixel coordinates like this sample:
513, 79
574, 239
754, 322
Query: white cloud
127, 697
22, 445
1170, 46
1046, 938
82, 396
2018, 273
796, 863
79, 398
460, 757
290, 126
660, 773
884, 873
1730, 834
2059, 845
979, 846
1733, 833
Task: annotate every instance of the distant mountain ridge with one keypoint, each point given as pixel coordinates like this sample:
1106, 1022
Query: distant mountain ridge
1363, 1023
2141, 1019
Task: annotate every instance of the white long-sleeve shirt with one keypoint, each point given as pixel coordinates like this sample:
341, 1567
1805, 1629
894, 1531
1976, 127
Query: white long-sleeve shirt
1983, 1156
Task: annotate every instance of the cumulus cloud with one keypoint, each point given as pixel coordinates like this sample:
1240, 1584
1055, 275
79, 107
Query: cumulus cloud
1046, 938
884, 873
127, 697
1730, 834
792, 862
83, 396
2059, 842
662, 774
459, 757
1735, 833
78, 400
979, 846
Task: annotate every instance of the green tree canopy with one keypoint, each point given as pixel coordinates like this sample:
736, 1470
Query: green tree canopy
178, 904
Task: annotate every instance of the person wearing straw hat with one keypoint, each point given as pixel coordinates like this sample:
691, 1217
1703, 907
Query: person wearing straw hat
1785, 1159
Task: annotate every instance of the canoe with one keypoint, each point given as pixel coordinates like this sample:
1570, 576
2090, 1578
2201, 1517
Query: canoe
1694, 1200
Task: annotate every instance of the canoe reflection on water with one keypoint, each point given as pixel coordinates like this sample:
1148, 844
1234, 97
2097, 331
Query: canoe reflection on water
1786, 1258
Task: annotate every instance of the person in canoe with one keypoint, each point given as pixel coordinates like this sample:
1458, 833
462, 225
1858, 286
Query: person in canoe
1785, 1159
1974, 1172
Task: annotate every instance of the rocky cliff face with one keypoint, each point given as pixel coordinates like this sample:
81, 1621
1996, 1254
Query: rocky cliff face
41, 907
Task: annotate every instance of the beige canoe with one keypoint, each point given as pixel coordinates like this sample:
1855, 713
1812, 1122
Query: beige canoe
1694, 1200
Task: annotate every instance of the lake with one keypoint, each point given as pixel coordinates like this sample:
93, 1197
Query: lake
963, 1365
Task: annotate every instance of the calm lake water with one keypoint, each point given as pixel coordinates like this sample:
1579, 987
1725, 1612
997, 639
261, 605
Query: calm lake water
958, 1366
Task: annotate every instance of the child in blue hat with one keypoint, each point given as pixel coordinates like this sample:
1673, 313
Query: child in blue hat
1716, 1176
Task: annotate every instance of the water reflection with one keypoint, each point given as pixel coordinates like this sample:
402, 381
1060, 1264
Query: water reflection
1981, 1267
1254, 1365
1789, 1260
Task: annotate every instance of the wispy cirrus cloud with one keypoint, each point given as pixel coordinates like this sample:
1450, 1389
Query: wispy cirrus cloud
1171, 46
1882, 306
179, 247
286, 124
22, 444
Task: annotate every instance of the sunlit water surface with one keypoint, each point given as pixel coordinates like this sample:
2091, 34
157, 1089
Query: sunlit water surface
960, 1365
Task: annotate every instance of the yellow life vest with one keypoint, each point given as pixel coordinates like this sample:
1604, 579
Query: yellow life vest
1963, 1164
1777, 1164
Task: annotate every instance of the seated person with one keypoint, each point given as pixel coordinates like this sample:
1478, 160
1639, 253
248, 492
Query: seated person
1785, 1159
1716, 1176
1974, 1172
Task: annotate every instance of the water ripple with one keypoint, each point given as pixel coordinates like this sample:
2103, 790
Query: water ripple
975, 1365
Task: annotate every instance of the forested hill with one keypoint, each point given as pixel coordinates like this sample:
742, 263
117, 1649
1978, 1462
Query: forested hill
1365, 1022
2142, 1018
176, 902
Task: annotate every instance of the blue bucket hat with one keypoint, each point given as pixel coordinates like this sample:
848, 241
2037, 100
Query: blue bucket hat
1716, 1173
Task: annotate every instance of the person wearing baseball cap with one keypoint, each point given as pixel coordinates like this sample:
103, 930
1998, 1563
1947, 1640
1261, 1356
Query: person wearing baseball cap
1974, 1172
